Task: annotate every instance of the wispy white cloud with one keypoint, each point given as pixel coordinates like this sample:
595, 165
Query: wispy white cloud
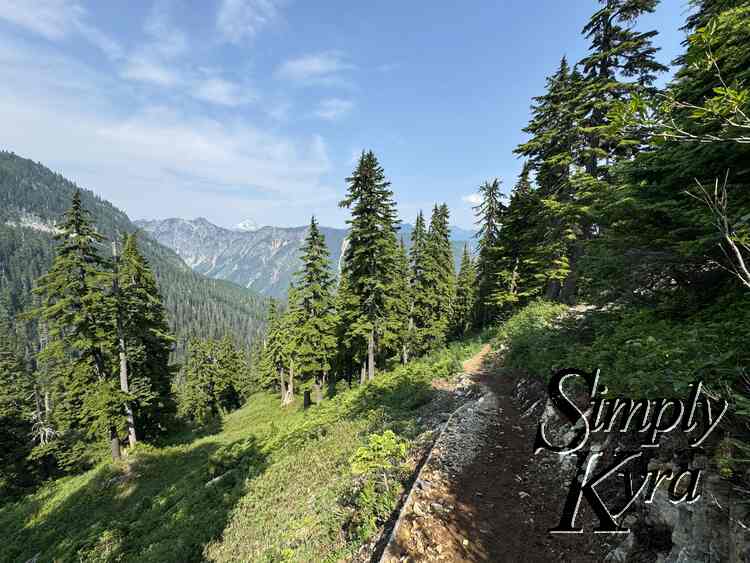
239, 20
56, 20
333, 108
145, 69
92, 128
166, 40
325, 67
154, 61
223, 92
473, 199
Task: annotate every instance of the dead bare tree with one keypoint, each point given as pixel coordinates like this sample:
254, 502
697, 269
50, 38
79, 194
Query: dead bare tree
735, 249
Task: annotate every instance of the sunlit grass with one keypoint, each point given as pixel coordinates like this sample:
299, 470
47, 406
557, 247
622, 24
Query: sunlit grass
266, 486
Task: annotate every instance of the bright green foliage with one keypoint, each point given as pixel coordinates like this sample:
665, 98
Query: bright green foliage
16, 407
208, 386
271, 482
464, 302
489, 214
382, 452
440, 250
659, 243
381, 465
371, 256
526, 258
148, 342
314, 303
423, 285
76, 306
399, 332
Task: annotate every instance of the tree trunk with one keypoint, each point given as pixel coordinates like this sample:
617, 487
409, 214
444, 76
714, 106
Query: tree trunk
317, 393
371, 356
132, 439
289, 393
114, 441
306, 400
553, 290
282, 385
363, 373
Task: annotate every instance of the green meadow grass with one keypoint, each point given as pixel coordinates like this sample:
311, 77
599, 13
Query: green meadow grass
269, 484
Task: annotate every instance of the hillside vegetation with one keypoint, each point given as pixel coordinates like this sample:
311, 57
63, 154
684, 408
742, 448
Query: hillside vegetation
265, 484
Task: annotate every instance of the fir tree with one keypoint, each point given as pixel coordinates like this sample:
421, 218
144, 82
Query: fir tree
489, 214
465, 298
317, 317
423, 283
15, 410
148, 342
76, 307
209, 380
443, 275
399, 317
621, 61
371, 255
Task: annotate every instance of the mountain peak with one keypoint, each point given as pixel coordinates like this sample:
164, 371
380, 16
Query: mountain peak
248, 225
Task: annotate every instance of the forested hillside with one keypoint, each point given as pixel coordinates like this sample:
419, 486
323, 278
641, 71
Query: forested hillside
623, 247
33, 200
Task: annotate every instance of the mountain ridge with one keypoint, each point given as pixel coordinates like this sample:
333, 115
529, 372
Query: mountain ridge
263, 259
33, 198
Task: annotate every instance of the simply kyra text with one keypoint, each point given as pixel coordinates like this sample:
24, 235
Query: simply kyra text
697, 418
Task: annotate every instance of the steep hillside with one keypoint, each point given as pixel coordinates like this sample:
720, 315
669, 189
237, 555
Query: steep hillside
32, 199
262, 259
271, 484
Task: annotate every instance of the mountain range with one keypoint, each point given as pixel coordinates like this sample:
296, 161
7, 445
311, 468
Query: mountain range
32, 201
263, 259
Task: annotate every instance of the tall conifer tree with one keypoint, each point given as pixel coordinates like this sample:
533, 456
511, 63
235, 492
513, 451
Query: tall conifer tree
371, 255
148, 341
76, 306
465, 298
489, 213
317, 315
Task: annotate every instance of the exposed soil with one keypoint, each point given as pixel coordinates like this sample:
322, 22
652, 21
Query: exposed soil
483, 495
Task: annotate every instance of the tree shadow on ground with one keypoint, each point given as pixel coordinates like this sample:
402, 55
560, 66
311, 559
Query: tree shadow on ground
188, 432
160, 506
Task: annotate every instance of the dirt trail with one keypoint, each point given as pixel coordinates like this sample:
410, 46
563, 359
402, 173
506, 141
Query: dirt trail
482, 495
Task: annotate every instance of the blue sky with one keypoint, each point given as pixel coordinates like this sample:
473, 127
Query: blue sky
257, 109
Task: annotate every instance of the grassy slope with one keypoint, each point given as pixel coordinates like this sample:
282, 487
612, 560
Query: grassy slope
285, 475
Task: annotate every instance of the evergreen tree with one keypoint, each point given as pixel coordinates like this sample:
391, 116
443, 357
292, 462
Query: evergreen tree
465, 298
489, 214
423, 283
554, 152
371, 255
621, 61
76, 307
317, 316
148, 342
15, 410
443, 276
657, 242
209, 380
399, 316
527, 246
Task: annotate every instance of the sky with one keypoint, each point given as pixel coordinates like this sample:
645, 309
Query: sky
258, 109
